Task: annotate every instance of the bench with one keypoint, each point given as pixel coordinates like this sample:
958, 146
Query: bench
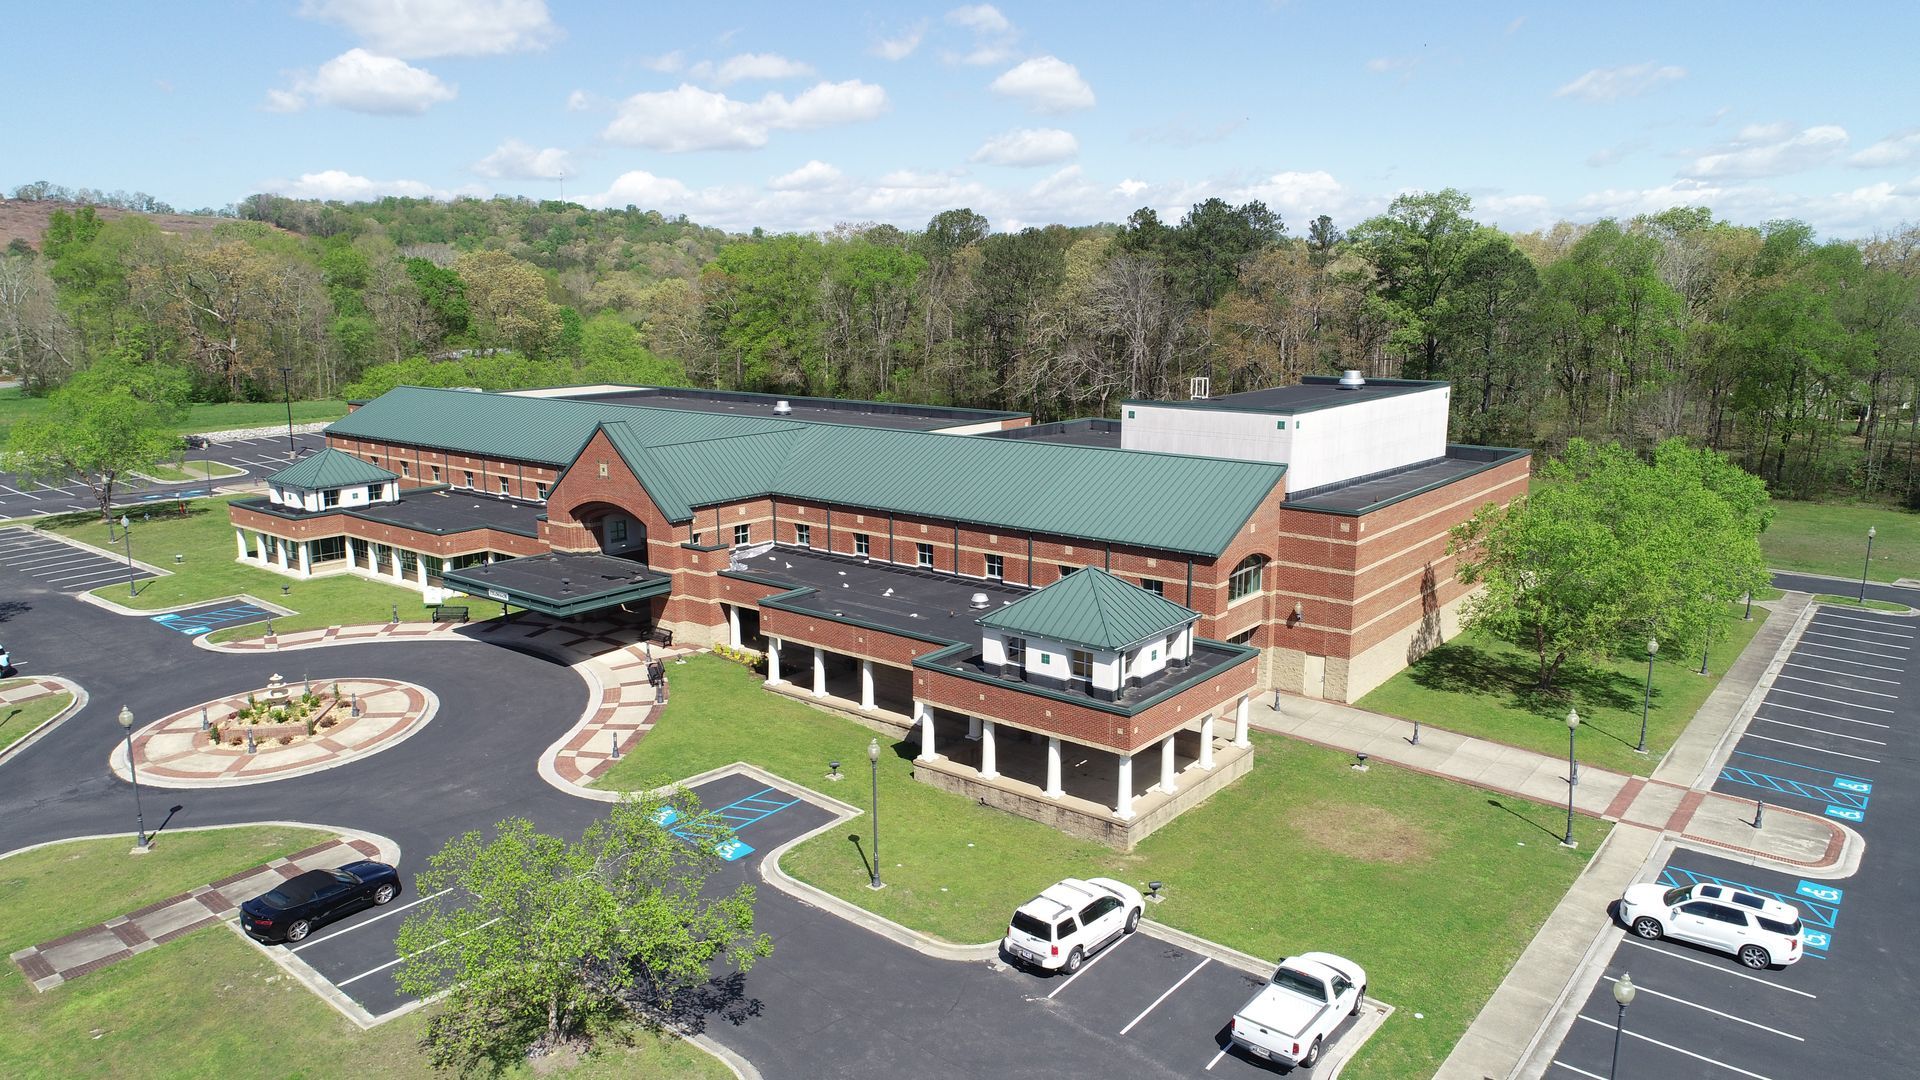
660, 635
449, 613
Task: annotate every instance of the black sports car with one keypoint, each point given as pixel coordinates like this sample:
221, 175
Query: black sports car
291, 911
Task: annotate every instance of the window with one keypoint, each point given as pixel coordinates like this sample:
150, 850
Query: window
925, 557
696, 539
1244, 637
406, 468
436, 473
996, 567
1154, 586
616, 530
373, 492
742, 535
1246, 578
860, 544
330, 497
1080, 664
1173, 643
540, 491
504, 488
1066, 571
468, 474
803, 535
1016, 650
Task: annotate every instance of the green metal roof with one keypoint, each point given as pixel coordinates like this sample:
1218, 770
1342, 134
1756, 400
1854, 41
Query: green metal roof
330, 468
1090, 607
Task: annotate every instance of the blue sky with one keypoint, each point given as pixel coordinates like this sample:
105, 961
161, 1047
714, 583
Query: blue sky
799, 116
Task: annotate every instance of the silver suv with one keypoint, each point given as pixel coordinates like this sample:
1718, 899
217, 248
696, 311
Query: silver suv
1068, 922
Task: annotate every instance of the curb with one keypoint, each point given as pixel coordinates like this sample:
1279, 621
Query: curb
122, 609
46, 726
389, 851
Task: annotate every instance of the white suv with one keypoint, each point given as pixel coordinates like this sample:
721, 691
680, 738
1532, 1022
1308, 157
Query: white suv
1068, 922
1760, 931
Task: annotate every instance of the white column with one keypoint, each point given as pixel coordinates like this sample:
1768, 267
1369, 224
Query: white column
1124, 809
1206, 741
306, 558
1053, 767
1168, 782
773, 661
989, 763
973, 728
819, 672
733, 625
240, 540
1240, 723
923, 715
420, 569
866, 685
393, 553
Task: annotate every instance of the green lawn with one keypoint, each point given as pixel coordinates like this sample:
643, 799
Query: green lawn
1304, 853
1476, 685
209, 1005
205, 538
1831, 538
17, 720
1855, 602
226, 416
191, 469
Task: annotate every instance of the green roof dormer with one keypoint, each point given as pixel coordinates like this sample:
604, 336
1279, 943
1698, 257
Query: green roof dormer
330, 468
1091, 608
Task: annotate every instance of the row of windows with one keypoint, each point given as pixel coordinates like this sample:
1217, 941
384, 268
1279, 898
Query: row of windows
466, 478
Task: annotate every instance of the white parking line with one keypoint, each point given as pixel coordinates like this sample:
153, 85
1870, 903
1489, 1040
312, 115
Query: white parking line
45, 558
428, 949
1156, 1001
368, 922
1843, 674
1218, 1056
1582, 1072
1816, 749
1838, 686
1864, 652
1872, 622
86, 575
1823, 731
1829, 699
1844, 660
1678, 1049
1716, 1012
1719, 968
1111, 949
70, 573
17, 491
1826, 716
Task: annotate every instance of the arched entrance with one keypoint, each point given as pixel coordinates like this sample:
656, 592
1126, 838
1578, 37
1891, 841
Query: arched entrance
617, 531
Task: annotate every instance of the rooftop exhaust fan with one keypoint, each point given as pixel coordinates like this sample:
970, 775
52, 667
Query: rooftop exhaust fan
783, 407
978, 600
1351, 379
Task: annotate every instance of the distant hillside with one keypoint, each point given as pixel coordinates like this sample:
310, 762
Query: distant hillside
22, 219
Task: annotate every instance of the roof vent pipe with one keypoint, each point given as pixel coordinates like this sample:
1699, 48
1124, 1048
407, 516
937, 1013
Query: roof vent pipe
783, 407
1351, 380
978, 600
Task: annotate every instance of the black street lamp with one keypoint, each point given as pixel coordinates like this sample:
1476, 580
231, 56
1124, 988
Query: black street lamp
1623, 992
1653, 646
1867, 566
126, 534
139, 815
873, 765
286, 385
1573, 775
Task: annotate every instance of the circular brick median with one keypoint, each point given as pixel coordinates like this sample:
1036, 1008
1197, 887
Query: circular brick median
173, 751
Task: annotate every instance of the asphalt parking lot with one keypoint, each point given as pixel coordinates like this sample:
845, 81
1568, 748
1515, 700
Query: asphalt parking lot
60, 565
257, 456
1833, 736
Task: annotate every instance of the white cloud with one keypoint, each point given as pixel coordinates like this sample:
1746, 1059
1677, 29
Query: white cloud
581, 101
1515, 213
1045, 84
690, 118
993, 35
1130, 188
422, 28
345, 186
902, 46
363, 82
665, 63
1028, 146
1187, 132
1896, 149
516, 160
1387, 65
980, 18
1770, 150
760, 66
1514, 26
812, 176
642, 188
1614, 83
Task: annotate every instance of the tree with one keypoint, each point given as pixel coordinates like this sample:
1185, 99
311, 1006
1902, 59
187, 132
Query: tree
1415, 250
508, 302
109, 420
563, 941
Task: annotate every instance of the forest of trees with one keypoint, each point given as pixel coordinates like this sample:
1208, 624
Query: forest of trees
1800, 358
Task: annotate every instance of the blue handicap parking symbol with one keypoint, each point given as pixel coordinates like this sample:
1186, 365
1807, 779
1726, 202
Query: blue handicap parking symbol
1848, 784
1846, 813
733, 849
1824, 893
1817, 939
665, 816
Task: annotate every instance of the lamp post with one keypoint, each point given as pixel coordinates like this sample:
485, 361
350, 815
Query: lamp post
1868, 565
1623, 992
126, 534
873, 765
286, 385
1573, 775
139, 815
1653, 646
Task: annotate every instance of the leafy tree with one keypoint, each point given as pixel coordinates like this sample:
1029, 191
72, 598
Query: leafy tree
111, 419
443, 292
562, 941
1415, 251
508, 302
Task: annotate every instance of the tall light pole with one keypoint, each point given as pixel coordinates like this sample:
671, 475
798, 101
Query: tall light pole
286, 386
1653, 646
1573, 775
1867, 566
873, 766
139, 815
1623, 992
126, 534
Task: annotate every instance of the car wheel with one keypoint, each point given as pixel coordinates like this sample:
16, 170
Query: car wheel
1647, 927
383, 894
1074, 960
299, 930
1755, 957
1133, 920
1313, 1055
1360, 1000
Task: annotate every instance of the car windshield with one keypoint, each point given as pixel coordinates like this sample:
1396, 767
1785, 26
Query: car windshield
1027, 924
1304, 985
343, 877
1791, 929
1675, 896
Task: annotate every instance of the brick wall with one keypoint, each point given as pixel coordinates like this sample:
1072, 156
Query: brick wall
1219, 694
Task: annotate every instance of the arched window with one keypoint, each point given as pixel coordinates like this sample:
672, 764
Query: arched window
1246, 578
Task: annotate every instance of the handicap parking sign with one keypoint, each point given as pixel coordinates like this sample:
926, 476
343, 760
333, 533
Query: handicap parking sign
665, 816
733, 849
1846, 813
1842, 783
1817, 939
1823, 893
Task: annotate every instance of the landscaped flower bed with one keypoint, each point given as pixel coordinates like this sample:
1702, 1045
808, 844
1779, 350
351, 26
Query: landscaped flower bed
277, 714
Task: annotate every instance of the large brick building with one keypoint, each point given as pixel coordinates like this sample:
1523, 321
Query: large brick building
917, 565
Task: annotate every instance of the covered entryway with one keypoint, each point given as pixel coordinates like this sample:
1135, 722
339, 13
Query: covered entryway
618, 532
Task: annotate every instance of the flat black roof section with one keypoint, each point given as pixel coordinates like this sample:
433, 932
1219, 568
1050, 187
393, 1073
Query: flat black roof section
1310, 393
918, 603
879, 414
441, 511
561, 585
1085, 431
1367, 493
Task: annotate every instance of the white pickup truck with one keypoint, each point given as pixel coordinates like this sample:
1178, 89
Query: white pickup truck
1293, 1016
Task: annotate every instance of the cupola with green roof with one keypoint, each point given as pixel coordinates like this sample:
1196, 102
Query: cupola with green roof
331, 478
1089, 631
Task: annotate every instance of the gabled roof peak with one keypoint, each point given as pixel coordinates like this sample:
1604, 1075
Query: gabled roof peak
1091, 607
